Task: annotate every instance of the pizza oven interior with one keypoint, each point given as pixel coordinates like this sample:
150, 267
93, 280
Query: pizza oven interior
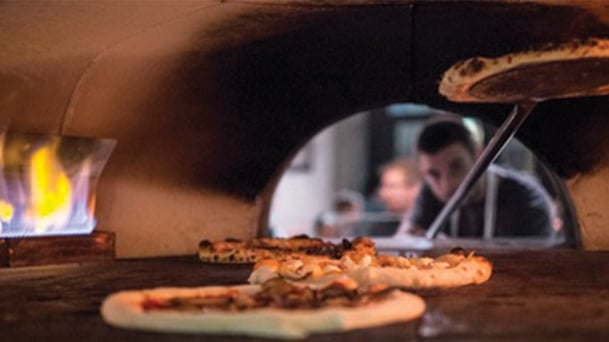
208, 101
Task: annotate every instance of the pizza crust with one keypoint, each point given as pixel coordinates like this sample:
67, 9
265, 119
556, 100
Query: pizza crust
534, 75
473, 270
124, 310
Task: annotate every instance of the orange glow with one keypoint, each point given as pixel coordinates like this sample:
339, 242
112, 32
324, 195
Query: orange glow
50, 190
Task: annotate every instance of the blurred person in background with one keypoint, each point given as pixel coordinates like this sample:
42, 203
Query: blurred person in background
400, 183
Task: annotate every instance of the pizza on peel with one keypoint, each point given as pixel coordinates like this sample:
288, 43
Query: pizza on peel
571, 69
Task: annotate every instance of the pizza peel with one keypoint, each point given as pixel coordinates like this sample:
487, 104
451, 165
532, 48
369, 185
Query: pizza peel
575, 69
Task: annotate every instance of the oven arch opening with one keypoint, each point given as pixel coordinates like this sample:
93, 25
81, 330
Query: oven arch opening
343, 160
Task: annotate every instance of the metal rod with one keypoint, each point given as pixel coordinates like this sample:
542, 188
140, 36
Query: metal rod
492, 150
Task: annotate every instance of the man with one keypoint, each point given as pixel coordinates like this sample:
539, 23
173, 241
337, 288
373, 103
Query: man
503, 203
400, 182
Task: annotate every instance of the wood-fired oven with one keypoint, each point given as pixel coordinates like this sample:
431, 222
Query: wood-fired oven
209, 100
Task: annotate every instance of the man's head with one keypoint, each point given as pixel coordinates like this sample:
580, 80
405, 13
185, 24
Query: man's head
399, 185
446, 151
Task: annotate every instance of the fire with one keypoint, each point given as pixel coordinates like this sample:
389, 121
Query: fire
47, 183
50, 191
6, 211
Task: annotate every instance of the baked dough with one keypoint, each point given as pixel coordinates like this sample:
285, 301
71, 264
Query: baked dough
438, 273
234, 251
125, 310
576, 68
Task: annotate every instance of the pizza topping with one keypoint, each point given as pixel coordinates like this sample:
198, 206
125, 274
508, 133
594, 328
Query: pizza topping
293, 269
360, 248
440, 265
253, 250
392, 261
229, 301
451, 269
451, 259
424, 263
349, 263
458, 251
275, 293
328, 269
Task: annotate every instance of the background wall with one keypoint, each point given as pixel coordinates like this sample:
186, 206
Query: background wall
338, 160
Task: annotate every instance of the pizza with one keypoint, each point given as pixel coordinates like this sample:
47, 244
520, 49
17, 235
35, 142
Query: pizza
256, 249
453, 269
571, 69
298, 286
456, 268
274, 309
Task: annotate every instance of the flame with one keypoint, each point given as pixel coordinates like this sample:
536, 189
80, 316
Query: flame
47, 184
50, 191
6, 211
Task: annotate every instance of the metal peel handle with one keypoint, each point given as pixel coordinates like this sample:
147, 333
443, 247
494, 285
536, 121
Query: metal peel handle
492, 150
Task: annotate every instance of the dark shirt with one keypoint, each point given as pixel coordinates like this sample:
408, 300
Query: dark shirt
523, 208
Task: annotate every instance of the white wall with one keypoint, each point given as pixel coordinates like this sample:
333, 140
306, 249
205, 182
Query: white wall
351, 150
339, 161
302, 194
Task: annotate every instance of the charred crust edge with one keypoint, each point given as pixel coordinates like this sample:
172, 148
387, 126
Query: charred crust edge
205, 244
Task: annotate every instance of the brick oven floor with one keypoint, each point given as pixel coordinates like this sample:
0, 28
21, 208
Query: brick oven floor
532, 295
